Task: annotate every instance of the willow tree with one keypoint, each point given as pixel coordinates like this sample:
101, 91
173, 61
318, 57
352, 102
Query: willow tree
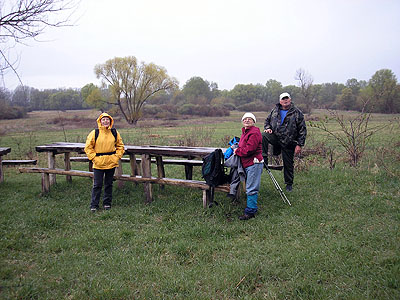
131, 84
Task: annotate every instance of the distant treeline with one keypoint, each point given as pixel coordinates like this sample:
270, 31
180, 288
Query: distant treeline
200, 97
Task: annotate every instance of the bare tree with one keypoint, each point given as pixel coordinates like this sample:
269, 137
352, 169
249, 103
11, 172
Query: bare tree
353, 133
306, 86
23, 20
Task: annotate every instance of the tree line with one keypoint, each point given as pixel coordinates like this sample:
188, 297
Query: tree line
137, 89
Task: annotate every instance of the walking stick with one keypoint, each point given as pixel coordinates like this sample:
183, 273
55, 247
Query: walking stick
283, 196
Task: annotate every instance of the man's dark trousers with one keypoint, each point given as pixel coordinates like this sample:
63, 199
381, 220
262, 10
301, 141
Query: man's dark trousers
98, 175
287, 155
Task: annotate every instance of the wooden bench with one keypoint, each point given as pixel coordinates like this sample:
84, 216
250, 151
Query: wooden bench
188, 163
207, 197
18, 162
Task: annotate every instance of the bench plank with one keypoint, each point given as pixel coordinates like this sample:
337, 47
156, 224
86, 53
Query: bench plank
170, 181
183, 162
154, 161
16, 162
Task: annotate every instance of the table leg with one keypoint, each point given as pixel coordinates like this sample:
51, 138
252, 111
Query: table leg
134, 166
45, 183
52, 164
119, 172
146, 172
160, 170
208, 197
189, 172
205, 199
1, 169
67, 163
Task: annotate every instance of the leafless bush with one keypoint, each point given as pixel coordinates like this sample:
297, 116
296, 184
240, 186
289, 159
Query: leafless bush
331, 158
353, 135
225, 140
79, 139
196, 137
32, 141
389, 159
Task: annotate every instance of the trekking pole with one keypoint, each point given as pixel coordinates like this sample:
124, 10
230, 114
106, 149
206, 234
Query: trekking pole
283, 196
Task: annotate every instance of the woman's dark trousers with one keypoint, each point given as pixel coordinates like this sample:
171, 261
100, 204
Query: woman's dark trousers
287, 155
99, 175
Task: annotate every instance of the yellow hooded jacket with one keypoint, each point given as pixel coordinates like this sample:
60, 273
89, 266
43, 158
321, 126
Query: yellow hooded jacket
105, 143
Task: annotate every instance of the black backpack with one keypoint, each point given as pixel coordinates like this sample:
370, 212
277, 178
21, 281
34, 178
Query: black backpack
213, 170
96, 134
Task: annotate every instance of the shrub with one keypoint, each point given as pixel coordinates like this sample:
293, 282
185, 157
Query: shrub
12, 112
187, 109
304, 108
256, 105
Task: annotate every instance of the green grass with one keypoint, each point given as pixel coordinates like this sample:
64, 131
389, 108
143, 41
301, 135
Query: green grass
339, 240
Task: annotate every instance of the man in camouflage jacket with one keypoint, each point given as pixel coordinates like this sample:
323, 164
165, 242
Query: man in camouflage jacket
286, 130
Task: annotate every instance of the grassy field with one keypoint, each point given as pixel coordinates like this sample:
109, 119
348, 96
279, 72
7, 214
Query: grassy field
339, 240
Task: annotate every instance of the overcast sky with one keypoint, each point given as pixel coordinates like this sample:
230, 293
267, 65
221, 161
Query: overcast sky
223, 41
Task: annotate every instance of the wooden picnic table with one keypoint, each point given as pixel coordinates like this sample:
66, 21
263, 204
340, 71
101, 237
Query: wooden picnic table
3, 151
146, 152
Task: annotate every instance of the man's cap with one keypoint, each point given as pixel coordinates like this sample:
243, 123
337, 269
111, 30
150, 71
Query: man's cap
249, 115
283, 95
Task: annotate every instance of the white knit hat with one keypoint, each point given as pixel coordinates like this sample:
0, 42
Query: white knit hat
249, 115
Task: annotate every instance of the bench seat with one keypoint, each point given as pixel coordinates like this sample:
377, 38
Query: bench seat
17, 162
139, 160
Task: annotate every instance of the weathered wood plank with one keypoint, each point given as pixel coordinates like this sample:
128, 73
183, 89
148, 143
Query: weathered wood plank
118, 172
51, 157
61, 147
16, 162
138, 161
146, 172
167, 181
160, 169
1, 169
4, 150
134, 165
67, 164
176, 151
45, 183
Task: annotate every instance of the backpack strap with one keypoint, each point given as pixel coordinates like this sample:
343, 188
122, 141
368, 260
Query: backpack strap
113, 131
96, 134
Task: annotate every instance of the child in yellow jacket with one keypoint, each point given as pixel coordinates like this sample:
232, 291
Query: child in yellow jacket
104, 147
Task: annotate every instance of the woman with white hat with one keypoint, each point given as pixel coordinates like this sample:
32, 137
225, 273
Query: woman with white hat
250, 153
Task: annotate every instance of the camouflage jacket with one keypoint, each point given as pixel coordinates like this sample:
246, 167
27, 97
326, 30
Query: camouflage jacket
293, 130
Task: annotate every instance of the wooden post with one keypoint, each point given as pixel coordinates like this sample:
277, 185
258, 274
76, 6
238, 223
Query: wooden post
205, 199
189, 172
90, 166
139, 168
52, 164
67, 163
146, 172
1, 169
118, 171
134, 167
208, 197
160, 170
45, 183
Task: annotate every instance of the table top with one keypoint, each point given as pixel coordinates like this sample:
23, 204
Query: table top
4, 150
173, 151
